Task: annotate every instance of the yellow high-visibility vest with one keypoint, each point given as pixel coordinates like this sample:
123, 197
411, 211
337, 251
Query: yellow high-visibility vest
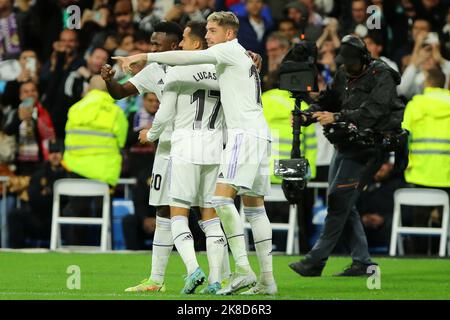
278, 106
96, 129
427, 117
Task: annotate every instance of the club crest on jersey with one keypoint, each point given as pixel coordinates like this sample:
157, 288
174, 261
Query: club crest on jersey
205, 76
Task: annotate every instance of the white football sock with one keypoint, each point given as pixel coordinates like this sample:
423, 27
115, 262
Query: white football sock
262, 236
184, 242
234, 230
226, 269
161, 249
215, 242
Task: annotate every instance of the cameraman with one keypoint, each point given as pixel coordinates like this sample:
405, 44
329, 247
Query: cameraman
363, 94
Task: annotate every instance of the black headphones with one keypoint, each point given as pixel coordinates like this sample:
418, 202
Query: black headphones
356, 42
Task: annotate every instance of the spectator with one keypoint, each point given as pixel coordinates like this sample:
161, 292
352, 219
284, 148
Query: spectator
313, 17
426, 56
374, 44
142, 41
376, 205
289, 29
432, 11
144, 17
126, 45
327, 45
122, 24
400, 21
29, 69
241, 11
403, 55
299, 13
277, 45
9, 31
276, 8
33, 129
123, 17
64, 59
33, 220
95, 132
46, 20
445, 40
78, 80
141, 156
99, 14
189, 10
427, 117
357, 23
253, 28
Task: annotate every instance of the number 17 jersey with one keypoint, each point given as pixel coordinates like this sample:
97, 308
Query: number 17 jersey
198, 127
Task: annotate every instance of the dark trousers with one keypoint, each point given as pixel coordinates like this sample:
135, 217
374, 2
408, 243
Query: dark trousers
346, 172
23, 224
134, 234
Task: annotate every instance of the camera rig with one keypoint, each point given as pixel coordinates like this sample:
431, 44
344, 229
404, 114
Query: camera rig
298, 74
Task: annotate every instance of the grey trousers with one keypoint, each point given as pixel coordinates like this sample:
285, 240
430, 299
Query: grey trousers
343, 219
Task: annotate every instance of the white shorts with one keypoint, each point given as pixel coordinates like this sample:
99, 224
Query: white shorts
159, 186
192, 184
245, 164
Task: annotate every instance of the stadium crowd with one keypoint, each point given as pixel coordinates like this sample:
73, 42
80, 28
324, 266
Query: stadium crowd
46, 67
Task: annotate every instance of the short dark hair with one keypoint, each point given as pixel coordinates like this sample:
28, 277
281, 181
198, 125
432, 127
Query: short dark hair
376, 37
286, 20
142, 36
170, 28
198, 30
436, 78
98, 48
423, 19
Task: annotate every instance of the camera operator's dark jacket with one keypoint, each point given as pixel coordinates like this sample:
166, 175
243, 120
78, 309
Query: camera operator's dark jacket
369, 101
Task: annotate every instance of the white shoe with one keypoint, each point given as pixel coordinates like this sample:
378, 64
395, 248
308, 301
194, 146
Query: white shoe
260, 288
237, 282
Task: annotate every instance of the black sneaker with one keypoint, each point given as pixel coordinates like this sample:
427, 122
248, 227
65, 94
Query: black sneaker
307, 269
356, 269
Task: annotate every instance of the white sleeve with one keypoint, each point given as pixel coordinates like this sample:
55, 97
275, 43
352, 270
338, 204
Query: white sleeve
183, 58
145, 80
164, 115
407, 83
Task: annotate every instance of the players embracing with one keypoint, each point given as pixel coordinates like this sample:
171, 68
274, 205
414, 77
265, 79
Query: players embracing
244, 168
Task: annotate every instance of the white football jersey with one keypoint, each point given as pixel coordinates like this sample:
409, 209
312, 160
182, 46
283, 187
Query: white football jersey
151, 79
192, 99
240, 88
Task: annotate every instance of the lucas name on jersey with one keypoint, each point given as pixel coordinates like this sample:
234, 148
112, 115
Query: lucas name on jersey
204, 76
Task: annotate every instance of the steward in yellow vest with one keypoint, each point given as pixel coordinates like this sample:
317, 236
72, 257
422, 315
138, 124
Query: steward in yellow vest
96, 130
427, 117
278, 106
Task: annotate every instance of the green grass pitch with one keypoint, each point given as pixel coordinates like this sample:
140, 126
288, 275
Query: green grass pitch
105, 276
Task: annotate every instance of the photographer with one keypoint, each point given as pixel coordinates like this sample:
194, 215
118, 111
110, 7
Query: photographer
363, 96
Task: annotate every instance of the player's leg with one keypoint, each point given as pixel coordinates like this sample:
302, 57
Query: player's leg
232, 177
215, 243
204, 198
162, 238
255, 212
256, 215
184, 181
225, 268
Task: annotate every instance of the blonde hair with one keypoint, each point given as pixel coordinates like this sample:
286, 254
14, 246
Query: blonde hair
225, 19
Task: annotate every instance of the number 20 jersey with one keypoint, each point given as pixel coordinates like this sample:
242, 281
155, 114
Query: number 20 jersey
198, 127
